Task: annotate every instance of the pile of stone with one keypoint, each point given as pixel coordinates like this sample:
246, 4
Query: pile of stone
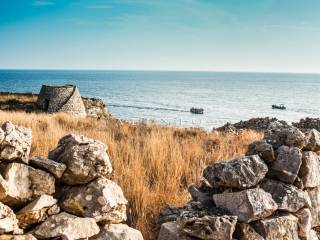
272, 193
257, 124
68, 195
308, 123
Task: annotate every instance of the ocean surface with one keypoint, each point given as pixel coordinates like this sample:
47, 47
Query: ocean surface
166, 97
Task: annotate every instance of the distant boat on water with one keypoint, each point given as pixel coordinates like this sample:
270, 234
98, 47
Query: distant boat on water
280, 106
196, 110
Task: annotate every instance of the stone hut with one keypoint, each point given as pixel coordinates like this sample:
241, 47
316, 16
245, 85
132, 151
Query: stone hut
64, 98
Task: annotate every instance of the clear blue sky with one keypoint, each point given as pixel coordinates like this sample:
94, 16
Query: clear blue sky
238, 35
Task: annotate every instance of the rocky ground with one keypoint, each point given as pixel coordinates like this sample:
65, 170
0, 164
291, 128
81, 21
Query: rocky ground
273, 193
67, 195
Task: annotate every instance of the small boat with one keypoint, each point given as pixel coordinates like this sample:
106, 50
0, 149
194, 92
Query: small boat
196, 110
280, 106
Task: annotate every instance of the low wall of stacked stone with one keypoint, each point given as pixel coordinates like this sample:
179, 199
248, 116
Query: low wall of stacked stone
273, 193
67, 195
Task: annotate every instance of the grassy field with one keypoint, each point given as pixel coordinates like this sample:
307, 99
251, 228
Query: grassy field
153, 164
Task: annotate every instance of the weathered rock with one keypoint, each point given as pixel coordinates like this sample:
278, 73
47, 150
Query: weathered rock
203, 197
190, 210
280, 133
278, 228
171, 231
248, 205
53, 167
8, 220
86, 159
15, 142
263, 149
67, 227
37, 211
288, 197
310, 169
304, 222
314, 195
23, 183
117, 232
287, 165
238, 173
209, 227
313, 141
311, 236
17, 237
246, 232
101, 199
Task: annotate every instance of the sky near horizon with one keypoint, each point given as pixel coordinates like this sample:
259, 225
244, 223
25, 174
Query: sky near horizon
214, 35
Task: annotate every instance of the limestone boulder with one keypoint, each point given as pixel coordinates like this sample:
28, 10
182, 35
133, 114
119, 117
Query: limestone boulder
314, 195
278, 227
263, 149
171, 231
66, 226
313, 141
288, 197
240, 173
304, 222
101, 199
248, 205
86, 159
37, 211
313, 235
310, 169
20, 183
17, 237
48, 165
209, 227
287, 165
117, 232
15, 143
8, 220
280, 133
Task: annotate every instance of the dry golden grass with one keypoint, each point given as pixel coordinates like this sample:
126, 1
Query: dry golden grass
23, 98
153, 164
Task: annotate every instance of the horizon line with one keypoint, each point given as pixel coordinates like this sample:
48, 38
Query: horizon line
155, 70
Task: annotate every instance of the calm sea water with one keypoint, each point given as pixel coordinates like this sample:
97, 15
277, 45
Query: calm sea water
166, 97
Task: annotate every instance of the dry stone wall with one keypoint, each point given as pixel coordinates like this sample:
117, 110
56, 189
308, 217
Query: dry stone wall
273, 193
68, 195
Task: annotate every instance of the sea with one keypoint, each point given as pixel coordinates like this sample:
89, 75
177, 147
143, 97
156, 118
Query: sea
166, 97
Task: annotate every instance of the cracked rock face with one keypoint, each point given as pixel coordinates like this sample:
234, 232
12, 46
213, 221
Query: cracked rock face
15, 142
313, 141
8, 220
287, 165
288, 197
86, 159
304, 222
278, 228
117, 232
37, 211
248, 205
48, 165
246, 232
278, 134
67, 227
240, 173
310, 169
101, 199
263, 149
314, 195
20, 183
